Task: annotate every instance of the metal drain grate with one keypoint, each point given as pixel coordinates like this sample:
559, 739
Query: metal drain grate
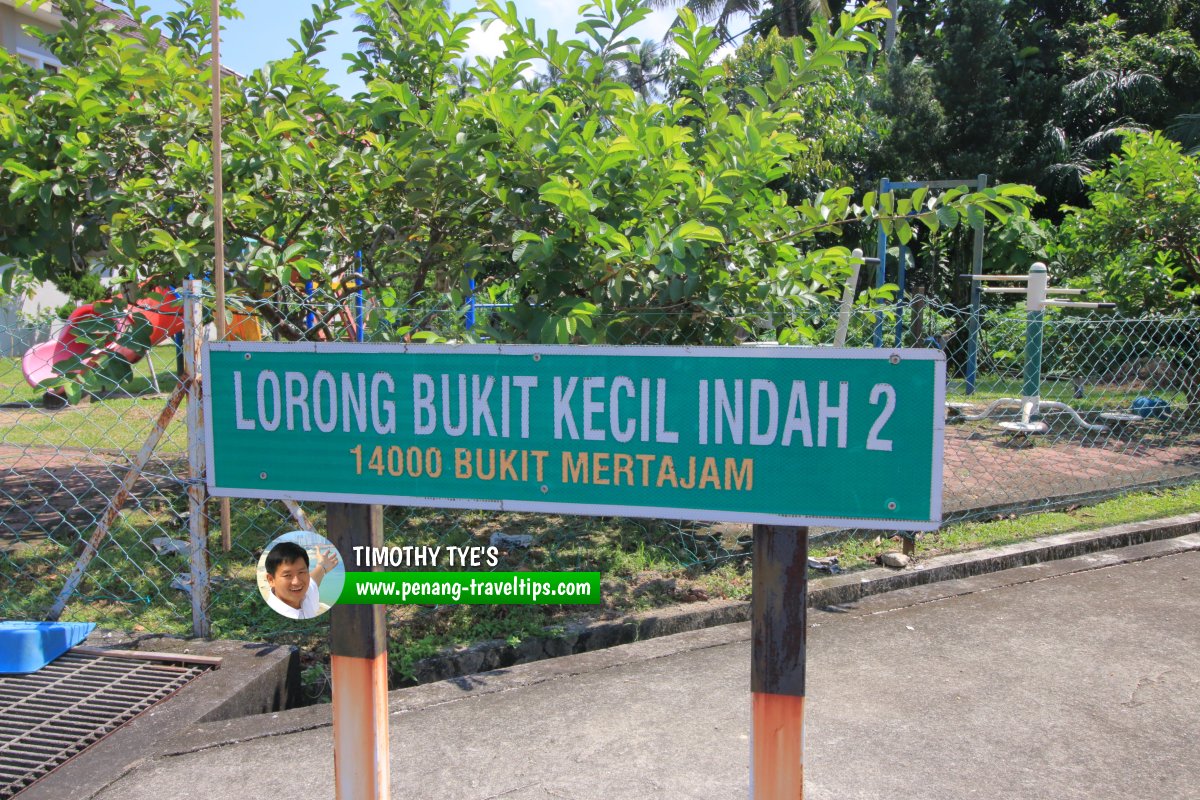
51, 715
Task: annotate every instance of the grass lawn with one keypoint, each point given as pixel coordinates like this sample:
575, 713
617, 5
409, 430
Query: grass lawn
644, 565
119, 422
991, 387
963, 536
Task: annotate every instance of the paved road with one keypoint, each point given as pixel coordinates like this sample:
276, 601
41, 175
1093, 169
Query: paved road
1013, 685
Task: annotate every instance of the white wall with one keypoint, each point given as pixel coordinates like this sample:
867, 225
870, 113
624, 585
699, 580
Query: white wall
15, 39
16, 335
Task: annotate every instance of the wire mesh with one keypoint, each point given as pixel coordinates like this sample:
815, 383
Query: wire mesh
1118, 403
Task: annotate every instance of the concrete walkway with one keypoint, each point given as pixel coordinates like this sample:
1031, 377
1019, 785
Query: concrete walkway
1079, 679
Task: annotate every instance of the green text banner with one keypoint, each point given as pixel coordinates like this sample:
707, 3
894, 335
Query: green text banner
796, 436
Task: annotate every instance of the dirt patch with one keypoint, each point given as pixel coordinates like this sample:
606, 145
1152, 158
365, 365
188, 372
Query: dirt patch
56, 493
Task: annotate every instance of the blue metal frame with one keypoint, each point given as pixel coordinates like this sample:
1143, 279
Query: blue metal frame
972, 365
358, 303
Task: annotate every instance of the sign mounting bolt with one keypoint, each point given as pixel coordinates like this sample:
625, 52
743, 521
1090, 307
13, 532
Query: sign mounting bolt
545, 489
537, 356
895, 358
262, 476
891, 505
246, 356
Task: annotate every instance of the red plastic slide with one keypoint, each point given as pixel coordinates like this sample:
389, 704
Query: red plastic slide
159, 307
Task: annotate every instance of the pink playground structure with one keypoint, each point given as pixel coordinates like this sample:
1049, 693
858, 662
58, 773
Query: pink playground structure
159, 307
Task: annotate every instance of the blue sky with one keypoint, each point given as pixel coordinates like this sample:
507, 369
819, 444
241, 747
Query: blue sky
249, 43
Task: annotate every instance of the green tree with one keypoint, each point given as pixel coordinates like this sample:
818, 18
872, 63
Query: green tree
108, 163
791, 17
646, 67
974, 91
834, 121
602, 215
1139, 238
911, 119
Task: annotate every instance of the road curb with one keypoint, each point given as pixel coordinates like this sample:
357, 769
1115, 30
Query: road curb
826, 591
842, 589
1061, 555
1042, 558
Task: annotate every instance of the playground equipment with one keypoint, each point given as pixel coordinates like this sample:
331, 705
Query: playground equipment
352, 320
158, 307
1036, 291
886, 186
847, 305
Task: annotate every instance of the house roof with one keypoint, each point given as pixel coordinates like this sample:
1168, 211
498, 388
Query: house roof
122, 22
126, 25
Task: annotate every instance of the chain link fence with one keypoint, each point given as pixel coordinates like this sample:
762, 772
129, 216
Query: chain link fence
1115, 411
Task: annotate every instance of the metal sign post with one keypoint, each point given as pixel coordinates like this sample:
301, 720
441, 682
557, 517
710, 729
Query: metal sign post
779, 626
358, 650
775, 436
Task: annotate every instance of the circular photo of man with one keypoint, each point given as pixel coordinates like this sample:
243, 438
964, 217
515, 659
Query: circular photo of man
300, 575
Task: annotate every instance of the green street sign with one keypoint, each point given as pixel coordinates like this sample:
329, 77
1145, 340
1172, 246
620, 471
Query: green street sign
779, 435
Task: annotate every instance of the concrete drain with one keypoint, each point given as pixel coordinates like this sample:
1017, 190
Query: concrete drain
49, 716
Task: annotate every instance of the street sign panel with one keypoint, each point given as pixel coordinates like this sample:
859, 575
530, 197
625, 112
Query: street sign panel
791, 436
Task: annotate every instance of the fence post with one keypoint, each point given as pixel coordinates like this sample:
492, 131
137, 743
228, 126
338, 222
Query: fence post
885, 186
976, 300
901, 268
973, 337
358, 647
778, 630
839, 340
193, 337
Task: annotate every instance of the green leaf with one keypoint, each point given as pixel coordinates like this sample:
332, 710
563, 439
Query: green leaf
305, 267
948, 216
73, 392
13, 165
284, 126
694, 231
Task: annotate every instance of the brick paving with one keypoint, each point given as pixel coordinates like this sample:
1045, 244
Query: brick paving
982, 468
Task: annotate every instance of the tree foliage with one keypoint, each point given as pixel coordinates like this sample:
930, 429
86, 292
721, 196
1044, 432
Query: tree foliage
1140, 237
599, 213
974, 91
834, 120
912, 119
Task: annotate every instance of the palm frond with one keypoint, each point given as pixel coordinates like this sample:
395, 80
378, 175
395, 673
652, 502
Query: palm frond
1103, 88
1186, 130
717, 13
1108, 139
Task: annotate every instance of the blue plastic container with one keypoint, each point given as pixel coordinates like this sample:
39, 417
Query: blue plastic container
1147, 407
29, 646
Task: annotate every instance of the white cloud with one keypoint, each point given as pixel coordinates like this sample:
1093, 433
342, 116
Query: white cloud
485, 42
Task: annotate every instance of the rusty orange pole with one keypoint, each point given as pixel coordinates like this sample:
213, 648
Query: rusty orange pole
778, 621
358, 647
